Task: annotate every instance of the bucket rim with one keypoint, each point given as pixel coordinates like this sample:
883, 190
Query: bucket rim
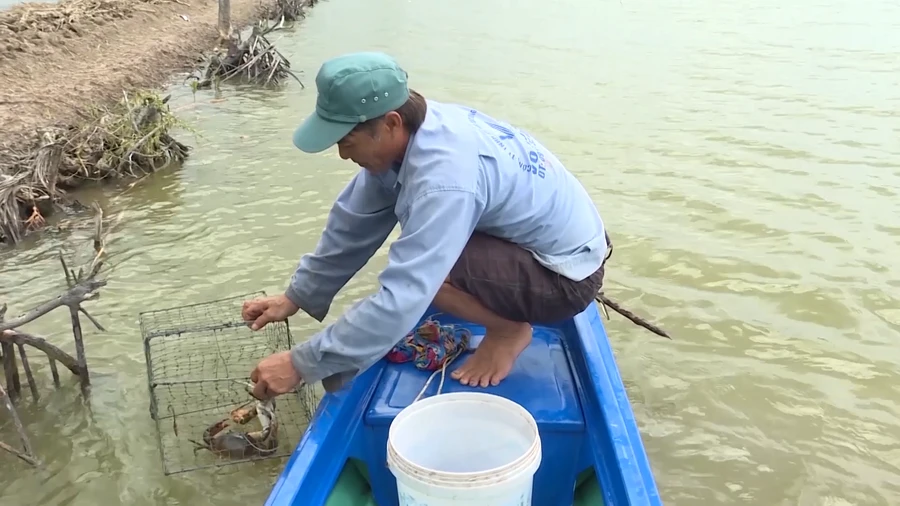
530, 462
459, 396
529, 458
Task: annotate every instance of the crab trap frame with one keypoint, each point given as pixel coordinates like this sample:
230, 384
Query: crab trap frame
199, 358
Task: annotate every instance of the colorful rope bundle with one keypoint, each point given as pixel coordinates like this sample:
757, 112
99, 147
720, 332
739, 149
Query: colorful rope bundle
431, 345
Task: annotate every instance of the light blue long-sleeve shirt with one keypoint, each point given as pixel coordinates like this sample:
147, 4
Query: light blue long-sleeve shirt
463, 171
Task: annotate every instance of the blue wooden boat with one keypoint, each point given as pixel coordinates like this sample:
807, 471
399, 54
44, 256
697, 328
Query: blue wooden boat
567, 379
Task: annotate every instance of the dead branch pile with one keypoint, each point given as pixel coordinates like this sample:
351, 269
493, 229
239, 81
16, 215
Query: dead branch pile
82, 286
287, 11
128, 140
254, 60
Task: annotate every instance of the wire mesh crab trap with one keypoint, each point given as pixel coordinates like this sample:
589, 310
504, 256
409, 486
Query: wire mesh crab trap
199, 358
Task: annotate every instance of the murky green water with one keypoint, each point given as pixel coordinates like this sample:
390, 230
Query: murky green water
744, 154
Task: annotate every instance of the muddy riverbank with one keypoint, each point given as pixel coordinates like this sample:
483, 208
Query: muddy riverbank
60, 59
62, 63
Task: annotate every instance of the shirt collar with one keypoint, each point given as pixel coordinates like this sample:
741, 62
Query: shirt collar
400, 168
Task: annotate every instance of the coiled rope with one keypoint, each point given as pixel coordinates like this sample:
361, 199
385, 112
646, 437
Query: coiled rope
431, 347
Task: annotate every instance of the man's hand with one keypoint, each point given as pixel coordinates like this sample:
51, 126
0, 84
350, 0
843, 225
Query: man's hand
267, 309
274, 375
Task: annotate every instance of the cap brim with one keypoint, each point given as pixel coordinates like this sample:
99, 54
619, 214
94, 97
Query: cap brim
317, 134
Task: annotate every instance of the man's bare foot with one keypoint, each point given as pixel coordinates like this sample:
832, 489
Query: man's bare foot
494, 357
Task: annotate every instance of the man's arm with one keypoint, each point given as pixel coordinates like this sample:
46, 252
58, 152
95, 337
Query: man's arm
439, 226
358, 224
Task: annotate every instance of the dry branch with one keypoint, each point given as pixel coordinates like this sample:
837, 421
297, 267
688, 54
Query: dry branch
11, 373
25, 454
28, 374
10, 368
81, 291
54, 353
82, 286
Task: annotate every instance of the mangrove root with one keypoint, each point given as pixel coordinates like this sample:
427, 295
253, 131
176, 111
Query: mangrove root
253, 60
128, 140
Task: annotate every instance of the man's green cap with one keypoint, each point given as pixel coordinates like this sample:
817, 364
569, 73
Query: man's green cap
352, 88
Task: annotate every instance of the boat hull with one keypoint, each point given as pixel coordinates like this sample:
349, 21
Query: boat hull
567, 378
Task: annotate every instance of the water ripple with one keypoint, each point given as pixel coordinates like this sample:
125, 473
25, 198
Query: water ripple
744, 156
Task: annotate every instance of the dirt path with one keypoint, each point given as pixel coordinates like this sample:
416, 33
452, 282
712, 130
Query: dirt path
49, 73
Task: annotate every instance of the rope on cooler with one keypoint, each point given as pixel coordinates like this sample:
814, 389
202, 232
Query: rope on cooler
431, 347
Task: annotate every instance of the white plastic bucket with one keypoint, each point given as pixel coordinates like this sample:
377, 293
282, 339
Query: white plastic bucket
464, 449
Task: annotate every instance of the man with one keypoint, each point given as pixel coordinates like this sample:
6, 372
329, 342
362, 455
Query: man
494, 230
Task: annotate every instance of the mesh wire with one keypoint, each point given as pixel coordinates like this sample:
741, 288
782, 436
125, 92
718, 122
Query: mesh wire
199, 359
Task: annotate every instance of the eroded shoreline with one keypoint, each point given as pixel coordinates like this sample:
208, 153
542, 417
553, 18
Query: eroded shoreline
60, 63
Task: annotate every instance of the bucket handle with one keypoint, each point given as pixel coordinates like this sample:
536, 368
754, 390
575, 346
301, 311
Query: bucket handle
443, 370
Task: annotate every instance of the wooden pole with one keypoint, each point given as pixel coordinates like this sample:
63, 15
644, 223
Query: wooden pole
224, 19
11, 370
79, 348
28, 374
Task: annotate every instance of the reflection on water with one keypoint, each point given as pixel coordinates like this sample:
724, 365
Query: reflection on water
745, 157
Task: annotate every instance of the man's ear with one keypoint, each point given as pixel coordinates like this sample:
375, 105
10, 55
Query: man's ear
393, 121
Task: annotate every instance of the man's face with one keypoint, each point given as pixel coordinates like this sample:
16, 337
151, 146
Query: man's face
374, 147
